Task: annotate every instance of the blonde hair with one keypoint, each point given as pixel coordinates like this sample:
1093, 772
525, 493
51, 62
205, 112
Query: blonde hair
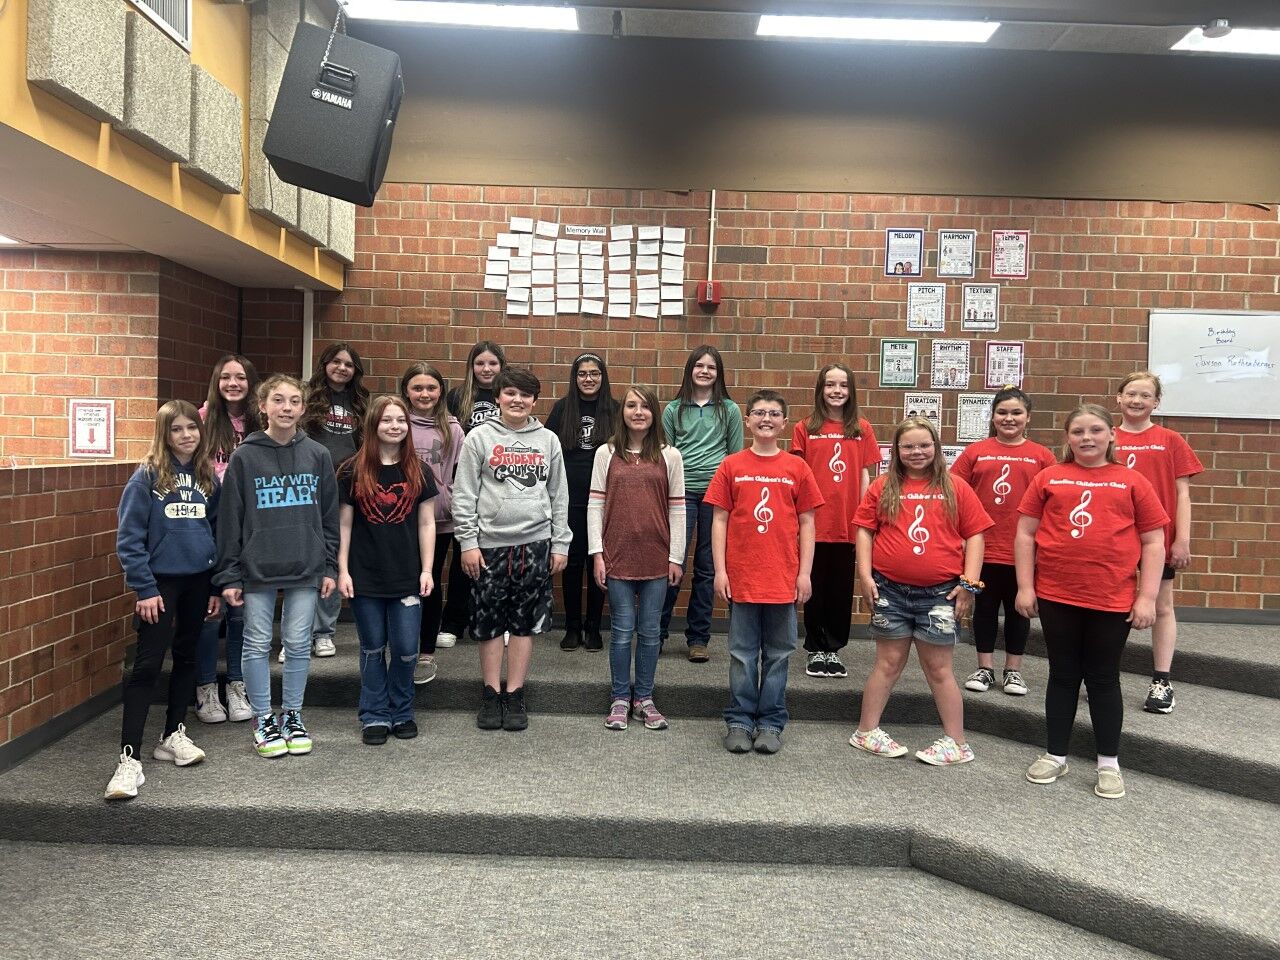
1093, 410
1140, 375
939, 480
275, 380
159, 459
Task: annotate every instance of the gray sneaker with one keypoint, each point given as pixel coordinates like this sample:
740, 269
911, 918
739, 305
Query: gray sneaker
425, 671
1110, 784
1046, 770
768, 740
738, 740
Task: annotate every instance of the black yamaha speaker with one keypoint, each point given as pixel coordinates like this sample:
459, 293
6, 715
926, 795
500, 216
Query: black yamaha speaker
332, 122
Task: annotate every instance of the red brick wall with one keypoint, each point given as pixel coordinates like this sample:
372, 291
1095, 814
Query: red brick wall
197, 325
65, 615
803, 276
273, 330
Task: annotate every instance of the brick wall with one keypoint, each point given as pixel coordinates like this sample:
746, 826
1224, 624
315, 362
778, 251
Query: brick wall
804, 284
65, 615
197, 325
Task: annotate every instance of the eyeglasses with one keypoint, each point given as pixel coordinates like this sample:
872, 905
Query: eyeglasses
770, 414
589, 374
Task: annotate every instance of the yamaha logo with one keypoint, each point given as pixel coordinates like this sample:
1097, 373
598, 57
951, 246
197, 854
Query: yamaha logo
335, 99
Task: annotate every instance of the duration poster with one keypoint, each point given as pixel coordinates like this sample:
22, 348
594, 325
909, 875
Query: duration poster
926, 307
903, 253
927, 405
980, 309
897, 363
950, 367
956, 256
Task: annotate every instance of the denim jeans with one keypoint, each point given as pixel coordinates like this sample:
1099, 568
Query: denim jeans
386, 695
635, 609
762, 637
207, 650
295, 634
325, 622
701, 596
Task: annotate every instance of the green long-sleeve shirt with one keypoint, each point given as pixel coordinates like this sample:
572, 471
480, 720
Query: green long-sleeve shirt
703, 438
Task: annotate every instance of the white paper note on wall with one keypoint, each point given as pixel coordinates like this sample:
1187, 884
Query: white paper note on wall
546, 228
522, 224
593, 307
621, 232
622, 310
649, 310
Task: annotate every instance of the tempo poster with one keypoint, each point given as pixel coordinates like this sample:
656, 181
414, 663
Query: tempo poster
973, 416
898, 363
927, 405
903, 252
950, 367
1010, 253
956, 253
927, 307
1004, 363
980, 309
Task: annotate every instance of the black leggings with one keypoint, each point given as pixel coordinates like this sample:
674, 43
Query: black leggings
828, 611
1001, 587
1083, 645
433, 603
456, 616
580, 565
186, 601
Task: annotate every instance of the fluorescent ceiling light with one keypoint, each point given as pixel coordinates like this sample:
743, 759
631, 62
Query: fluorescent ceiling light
876, 28
1264, 43
4, 239
465, 14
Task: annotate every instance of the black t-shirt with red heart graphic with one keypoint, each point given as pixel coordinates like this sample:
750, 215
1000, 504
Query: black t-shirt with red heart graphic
384, 560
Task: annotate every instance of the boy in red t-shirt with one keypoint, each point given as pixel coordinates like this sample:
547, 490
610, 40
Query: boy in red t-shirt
762, 538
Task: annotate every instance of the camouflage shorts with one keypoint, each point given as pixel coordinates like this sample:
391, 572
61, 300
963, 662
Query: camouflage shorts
513, 592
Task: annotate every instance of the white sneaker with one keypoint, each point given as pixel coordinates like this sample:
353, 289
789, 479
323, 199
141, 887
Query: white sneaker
178, 747
127, 778
323, 647
444, 639
208, 706
238, 707
280, 659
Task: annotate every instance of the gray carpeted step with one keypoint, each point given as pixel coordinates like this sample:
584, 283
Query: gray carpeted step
1211, 739
1183, 871
105, 900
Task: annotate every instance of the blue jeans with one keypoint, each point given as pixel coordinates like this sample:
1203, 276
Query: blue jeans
295, 634
207, 649
697, 629
386, 695
762, 637
325, 621
635, 609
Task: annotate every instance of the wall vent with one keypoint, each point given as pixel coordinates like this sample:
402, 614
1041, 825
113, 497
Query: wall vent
171, 16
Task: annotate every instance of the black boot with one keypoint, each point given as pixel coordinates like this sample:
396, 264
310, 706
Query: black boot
592, 639
572, 639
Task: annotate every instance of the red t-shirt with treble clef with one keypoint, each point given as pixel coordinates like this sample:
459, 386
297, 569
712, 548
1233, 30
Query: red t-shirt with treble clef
999, 475
924, 544
1089, 540
765, 497
837, 463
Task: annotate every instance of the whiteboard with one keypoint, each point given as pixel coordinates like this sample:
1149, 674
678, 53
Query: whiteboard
1216, 363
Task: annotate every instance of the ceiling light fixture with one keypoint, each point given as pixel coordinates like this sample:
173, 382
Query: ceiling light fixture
4, 239
513, 16
1258, 43
877, 29
1216, 28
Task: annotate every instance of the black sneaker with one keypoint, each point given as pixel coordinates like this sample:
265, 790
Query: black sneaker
491, 710
375, 734
592, 640
572, 639
516, 717
405, 731
1159, 697
834, 667
816, 666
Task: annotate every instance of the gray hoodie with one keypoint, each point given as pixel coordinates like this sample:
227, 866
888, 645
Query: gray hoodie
278, 518
510, 488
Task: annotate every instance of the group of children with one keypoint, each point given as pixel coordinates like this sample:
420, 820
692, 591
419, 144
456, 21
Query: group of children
241, 501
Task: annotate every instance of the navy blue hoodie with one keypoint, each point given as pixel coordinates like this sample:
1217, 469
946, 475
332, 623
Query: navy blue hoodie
278, 520
164, 535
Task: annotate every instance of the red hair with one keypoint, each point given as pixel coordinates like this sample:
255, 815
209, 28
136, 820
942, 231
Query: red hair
364, 466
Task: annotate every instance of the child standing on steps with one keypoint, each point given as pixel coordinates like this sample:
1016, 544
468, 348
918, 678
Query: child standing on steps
919, 553
840, 449
1087, 525
337, 401
762, 546
437, 440
1168, 462
165, 544
635, 524
229, 415
998, 470
583, 420
705, 425
388, 532
473, 403
511, 516
278, 533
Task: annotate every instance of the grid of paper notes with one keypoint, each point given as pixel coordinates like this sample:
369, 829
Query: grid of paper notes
619, 271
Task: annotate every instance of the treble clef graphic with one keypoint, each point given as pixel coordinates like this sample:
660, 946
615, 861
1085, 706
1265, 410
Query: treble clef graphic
837, 465
763, 514
1002, 488
918, 531
1080, 516
1131, 461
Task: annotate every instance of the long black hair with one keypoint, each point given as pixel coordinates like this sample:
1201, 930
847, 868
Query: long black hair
606, 406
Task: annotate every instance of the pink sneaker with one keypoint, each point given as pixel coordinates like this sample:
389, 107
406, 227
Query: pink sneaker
645, 711
617, 718
945, 752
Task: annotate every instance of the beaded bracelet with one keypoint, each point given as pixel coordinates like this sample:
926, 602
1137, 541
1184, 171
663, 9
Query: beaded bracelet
973, 586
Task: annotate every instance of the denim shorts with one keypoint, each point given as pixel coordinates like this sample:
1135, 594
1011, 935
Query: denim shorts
924, 613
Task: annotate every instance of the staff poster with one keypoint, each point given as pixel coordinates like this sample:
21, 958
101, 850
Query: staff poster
1004, 363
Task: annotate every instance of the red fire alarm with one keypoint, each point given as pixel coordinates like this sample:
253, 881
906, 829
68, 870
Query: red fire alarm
709, 294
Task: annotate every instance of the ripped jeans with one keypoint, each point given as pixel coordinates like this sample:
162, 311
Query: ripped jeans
923, 613
386, 695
